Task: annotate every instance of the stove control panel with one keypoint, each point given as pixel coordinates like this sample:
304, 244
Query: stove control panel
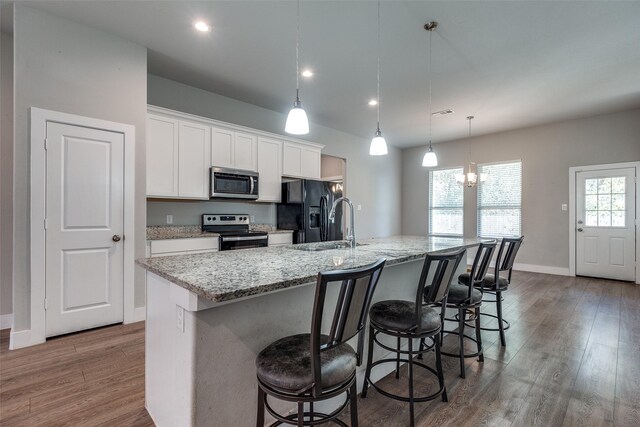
217, 219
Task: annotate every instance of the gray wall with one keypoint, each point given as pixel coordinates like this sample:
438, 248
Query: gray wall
373, 182
186, 212
64, 66
547, 152
6, 171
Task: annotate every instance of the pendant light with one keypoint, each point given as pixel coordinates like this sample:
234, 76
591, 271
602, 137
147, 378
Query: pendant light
430, 159
297, 122
378, 145
470, 179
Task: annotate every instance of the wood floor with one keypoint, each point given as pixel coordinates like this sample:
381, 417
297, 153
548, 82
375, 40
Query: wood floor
572, 358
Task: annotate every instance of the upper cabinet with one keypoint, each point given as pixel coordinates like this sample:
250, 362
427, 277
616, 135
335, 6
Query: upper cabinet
269, 169
181, 149
233, 149
178, 153
301, 160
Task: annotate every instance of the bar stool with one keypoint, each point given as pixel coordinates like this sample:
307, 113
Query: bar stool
468, 299
307, 368
411, 320
495, 285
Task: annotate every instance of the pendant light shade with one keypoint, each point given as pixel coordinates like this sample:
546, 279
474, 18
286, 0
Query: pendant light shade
297, 122
378, 145
430, 159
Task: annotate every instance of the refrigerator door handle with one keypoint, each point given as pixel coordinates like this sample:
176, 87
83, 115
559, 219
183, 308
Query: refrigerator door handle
323, 218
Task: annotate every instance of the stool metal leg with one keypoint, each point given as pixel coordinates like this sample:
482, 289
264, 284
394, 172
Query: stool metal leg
300, 414
438, 342
311, 410
411, 412
260, 417
479, 336
398, 360
461, 320
367, 373
353, 396
500, 324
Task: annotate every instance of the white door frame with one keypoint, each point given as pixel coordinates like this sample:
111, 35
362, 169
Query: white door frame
572, 210
38, 128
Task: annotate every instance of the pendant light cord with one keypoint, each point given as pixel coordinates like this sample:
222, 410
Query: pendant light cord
430, 115
298, 52
378, 128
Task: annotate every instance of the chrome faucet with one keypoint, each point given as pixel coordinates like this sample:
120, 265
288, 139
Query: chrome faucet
351, 233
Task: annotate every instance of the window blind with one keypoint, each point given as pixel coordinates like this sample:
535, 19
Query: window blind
500, 200
446, 203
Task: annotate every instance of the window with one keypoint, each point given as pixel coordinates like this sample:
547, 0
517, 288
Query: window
604, 201
499, 200
446, 205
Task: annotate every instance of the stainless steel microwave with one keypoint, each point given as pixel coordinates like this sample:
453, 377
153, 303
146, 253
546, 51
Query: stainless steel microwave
234, 183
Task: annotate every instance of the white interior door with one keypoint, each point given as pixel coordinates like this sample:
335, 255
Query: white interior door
84, 253
605, 223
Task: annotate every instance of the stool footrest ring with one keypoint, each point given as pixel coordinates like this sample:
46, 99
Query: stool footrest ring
402, 398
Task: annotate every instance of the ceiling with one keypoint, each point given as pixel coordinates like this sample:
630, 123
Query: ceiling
512, 64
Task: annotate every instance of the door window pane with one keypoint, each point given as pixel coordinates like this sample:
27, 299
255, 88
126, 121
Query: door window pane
604, 201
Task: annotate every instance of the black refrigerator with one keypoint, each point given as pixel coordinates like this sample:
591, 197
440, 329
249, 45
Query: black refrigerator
305, 209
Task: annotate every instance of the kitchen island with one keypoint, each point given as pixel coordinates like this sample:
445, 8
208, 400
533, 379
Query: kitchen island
208, 316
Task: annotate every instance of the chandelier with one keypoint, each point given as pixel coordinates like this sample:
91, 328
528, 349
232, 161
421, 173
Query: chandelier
470, 179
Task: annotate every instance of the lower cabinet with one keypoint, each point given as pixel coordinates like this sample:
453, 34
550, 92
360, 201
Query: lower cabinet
280, 239
169, 247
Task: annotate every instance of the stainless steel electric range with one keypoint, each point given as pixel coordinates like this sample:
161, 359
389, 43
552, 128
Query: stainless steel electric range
234, 231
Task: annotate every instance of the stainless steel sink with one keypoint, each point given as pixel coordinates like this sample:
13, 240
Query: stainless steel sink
324, 246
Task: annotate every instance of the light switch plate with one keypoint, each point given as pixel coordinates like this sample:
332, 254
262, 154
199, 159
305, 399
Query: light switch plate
564, 206
359, 207
180, 318
169, 219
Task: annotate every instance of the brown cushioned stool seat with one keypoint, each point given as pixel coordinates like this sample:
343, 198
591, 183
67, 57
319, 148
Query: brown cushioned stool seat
400, 315
286, 364
460, 293
489, 281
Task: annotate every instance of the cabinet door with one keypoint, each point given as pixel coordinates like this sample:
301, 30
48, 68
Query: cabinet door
310, 163
291, 159
222, 148
162, 156
194, 153
270, 170
245, 151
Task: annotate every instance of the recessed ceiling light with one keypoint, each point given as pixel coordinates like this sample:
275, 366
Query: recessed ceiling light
307, 73
373, 102
202, 26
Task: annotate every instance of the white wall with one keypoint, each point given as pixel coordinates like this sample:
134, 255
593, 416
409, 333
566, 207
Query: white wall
64, 66
547, 152
6, 173
373, 182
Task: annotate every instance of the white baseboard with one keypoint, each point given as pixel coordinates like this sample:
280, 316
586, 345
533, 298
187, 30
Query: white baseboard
559, 271
6, 321
20, 339
139, 314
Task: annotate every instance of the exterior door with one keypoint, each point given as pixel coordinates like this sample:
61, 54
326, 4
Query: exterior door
605, 223
84, 253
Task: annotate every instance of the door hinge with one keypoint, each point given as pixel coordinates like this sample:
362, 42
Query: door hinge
46, 223
46, 144
45, 304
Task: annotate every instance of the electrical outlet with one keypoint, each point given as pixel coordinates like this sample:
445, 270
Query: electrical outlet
564, 206
180, 318
359, 207
252, 218
169, 219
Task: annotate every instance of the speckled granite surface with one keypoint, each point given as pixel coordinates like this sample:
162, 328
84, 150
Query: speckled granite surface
162, 232
228, 275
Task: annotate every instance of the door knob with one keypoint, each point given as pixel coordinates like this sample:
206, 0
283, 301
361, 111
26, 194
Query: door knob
580, 230
115, 238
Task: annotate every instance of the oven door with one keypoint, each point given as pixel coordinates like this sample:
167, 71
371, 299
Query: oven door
229, 243
236, 184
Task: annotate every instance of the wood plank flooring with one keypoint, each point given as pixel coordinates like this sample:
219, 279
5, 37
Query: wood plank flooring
572, 358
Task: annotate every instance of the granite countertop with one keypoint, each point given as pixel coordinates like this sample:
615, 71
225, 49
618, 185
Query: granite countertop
162, 232
228, 275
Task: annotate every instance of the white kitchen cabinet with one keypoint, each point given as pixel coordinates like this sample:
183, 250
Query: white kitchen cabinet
300, 160
269, 169
167, 247
235, 150
162, 156
193, 160
178, 153
280, 239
